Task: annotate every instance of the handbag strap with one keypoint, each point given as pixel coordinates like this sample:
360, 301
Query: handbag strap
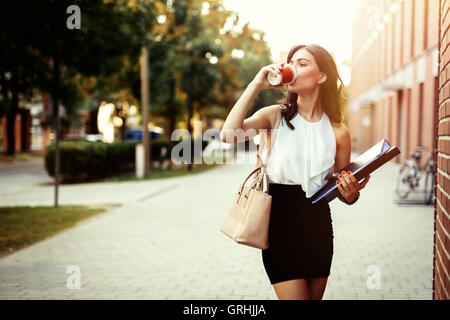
272, 140
262, 167
260, 163
261, 178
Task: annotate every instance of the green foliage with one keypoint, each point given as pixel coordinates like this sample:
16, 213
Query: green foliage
44, 54
101, 60
190, 37
86, 161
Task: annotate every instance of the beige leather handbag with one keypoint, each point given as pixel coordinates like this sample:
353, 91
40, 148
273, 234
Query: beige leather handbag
248, 219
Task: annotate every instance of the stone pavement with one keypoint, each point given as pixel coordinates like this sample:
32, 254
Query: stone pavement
163, 242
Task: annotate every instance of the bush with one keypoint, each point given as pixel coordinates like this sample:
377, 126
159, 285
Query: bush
181, 154
84, 160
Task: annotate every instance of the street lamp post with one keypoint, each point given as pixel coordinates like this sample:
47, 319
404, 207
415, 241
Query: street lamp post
55, 64
145, 93
145, 107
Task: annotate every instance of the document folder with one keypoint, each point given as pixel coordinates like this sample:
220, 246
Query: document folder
364, 165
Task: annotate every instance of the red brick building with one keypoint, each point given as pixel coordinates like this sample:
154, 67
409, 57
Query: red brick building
442, 205
394, 74
22, 134
400, 91
32, 131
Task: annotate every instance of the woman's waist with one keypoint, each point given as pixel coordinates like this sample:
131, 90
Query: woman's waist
287, 185
275, 186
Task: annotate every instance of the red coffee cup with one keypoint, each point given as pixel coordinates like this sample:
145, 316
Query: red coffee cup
286, 76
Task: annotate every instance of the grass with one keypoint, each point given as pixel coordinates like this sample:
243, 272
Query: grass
20, 156
158, 173
155, 173
23, 226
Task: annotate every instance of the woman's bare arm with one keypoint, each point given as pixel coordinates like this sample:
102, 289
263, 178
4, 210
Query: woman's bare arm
236, 128
236, 118
343, 148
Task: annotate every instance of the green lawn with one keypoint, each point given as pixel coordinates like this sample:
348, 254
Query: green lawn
164, 173
23, 156
23, 226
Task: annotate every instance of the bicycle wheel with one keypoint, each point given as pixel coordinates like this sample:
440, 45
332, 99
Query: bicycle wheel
403, 182
429, 186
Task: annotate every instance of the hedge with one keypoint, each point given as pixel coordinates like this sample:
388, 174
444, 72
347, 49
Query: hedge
84, 160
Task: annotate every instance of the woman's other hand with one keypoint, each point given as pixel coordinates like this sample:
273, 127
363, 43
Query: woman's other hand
348, 186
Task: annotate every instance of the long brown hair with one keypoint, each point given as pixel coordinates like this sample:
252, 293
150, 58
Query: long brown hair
329, 92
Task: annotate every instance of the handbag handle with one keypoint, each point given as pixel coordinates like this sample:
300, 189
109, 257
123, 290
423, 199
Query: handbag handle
251, 186
263, 181
255, 170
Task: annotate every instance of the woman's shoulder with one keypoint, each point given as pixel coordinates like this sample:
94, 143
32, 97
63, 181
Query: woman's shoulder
271, 113
341, 132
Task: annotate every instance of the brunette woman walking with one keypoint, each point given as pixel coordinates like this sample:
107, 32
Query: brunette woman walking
311, 144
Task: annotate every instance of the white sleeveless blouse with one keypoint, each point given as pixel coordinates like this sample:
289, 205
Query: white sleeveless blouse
302, 156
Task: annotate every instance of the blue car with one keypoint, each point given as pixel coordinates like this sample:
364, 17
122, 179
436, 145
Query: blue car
136, 134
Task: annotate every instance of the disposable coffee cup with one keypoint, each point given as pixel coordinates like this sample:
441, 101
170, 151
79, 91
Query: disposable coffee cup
285, 76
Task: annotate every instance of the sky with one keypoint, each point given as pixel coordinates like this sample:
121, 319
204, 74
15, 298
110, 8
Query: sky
289, 22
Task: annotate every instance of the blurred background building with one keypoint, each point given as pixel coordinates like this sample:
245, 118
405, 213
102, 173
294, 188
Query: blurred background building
32, 128
394, 82
399, 90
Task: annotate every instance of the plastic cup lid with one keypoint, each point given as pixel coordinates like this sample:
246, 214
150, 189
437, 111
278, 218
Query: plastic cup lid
274, 80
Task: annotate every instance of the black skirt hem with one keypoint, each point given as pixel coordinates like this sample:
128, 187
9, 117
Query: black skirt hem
297, 277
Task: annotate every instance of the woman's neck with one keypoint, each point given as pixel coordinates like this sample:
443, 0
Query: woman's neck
309, 106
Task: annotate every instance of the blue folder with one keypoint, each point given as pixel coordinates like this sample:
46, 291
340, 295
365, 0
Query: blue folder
364, 165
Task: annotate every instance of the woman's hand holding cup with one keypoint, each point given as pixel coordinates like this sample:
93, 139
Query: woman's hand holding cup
260, 80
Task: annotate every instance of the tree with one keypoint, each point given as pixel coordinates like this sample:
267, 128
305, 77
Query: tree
51, 57
20, 64
109, 33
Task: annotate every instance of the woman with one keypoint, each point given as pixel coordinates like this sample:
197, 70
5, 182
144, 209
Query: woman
311, 143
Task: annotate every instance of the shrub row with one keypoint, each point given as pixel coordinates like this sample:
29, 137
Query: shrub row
84, 160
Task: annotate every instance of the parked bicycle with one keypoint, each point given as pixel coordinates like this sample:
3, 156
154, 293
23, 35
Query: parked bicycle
414, 178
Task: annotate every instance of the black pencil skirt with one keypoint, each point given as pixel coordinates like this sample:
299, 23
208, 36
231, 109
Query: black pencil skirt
300, 235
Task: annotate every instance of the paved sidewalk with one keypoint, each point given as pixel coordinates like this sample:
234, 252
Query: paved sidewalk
164, 242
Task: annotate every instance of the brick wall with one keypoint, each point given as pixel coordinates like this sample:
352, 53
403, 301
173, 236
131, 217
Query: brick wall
17, 134
441, 267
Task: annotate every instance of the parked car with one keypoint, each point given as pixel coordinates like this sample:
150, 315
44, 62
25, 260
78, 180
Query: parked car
135, 134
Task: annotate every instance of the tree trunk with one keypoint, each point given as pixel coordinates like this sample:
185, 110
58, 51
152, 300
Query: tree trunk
25, 130
145, 92
57, 125
11, 123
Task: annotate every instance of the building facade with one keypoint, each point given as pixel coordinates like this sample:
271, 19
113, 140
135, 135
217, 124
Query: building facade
442, 204
32, 130
393, 91
400, 91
